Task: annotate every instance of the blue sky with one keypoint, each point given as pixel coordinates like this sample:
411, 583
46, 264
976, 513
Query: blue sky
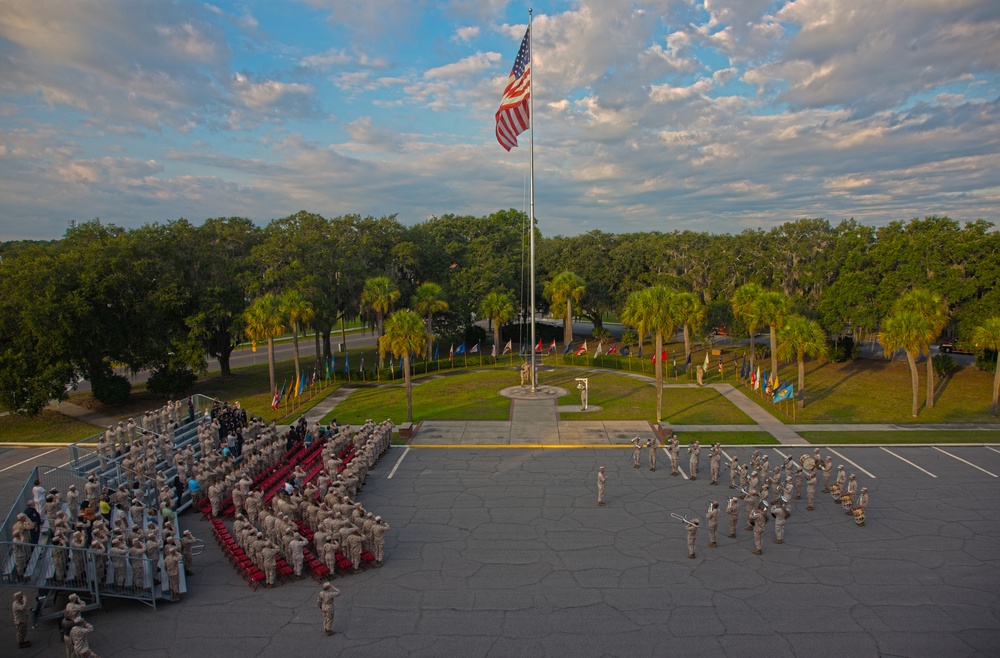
714, 115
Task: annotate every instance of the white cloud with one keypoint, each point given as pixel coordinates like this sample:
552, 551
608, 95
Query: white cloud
466, 34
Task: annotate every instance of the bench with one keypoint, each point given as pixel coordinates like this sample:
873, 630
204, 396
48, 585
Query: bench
405, 430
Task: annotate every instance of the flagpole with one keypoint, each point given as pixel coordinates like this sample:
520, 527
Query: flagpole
531, 197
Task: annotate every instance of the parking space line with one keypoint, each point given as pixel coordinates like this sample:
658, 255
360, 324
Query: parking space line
726, 455
855, 465
919, 468
398, 462
963, 461
27, 460
783, 455
993, 449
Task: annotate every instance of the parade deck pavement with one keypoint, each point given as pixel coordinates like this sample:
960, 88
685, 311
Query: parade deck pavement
503, 552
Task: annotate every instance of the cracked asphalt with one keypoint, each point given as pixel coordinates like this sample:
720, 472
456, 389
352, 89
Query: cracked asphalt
504, 552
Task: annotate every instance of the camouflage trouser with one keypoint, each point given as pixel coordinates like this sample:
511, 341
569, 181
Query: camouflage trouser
733, 519
297, 564
328, 621
270, 571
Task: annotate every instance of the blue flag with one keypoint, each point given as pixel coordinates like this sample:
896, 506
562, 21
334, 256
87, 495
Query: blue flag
569, 346
625, 351
460, 349
400, 361
640, 351
784, 393
522, 349
436, 357
347, 363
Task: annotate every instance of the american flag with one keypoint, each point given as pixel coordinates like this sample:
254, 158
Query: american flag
513, 116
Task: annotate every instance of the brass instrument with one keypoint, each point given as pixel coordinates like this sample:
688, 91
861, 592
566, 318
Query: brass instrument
683, 519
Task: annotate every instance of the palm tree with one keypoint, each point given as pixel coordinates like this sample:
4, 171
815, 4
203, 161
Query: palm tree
264, 320
746, 308
498, 306
427, 301
905, 330
564, 289
799, 338
772, 307
691, 313
378, 296
987, 336
653, 310
298, 312
932, 307
405, 334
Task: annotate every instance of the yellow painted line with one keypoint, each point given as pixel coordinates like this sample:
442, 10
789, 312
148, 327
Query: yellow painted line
530, 446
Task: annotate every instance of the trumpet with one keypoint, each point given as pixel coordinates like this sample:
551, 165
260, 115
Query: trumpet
683, 519
198, 547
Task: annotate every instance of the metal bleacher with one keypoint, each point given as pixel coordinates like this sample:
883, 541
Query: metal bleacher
40, 573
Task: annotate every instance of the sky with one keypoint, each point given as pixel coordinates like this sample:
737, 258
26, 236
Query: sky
659, 115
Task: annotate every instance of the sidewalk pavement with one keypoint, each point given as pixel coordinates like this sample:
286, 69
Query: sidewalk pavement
82, 414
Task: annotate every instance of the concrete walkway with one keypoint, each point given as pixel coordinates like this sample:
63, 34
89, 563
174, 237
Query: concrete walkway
82, 414
764, 420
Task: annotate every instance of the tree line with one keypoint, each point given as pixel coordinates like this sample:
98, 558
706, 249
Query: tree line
163, 296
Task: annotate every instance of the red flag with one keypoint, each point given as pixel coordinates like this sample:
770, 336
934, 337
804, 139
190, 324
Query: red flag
513, 116
552, 347
613, 350
538, 348
582, 349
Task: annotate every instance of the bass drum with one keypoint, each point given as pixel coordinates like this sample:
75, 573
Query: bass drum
859, 516
807, 462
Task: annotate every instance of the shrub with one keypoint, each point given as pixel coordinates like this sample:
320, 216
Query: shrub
111, 389
761, 351
630, 338
987, 361
943, 365
843, 349
600, 333
171, 380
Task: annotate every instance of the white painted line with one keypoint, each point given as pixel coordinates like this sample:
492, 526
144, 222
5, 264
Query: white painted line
783, 455
27, 460
963, 461
857, 466
683, 474
726, 455
908, 462
993, 449
398, 462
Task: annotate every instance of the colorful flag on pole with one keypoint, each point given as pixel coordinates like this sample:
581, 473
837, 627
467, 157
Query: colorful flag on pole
347, 363
451, 352
513, 117
569, 346
523, 349
362, 368
552, 346
275, 398
625, 351
720, 363
687, 362
613, 350
475, 349
582, 349
508, 347
600, 348
784, 393
493, 351
436, 353
460, 349
639, 353
538, 348
705, 366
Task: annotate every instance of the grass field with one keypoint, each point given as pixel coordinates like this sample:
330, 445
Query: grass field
624, 398
47, 427
904, 436
727, 438
878, 391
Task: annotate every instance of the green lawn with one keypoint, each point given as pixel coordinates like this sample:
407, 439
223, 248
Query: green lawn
904, 436
469, 395
472, 395
878, 391
624, 398
726, 438
47, 427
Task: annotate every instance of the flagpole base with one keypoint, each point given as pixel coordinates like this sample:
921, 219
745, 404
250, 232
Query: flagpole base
540, 392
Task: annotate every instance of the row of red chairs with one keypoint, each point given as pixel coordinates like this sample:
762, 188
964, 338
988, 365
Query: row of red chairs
236, 556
